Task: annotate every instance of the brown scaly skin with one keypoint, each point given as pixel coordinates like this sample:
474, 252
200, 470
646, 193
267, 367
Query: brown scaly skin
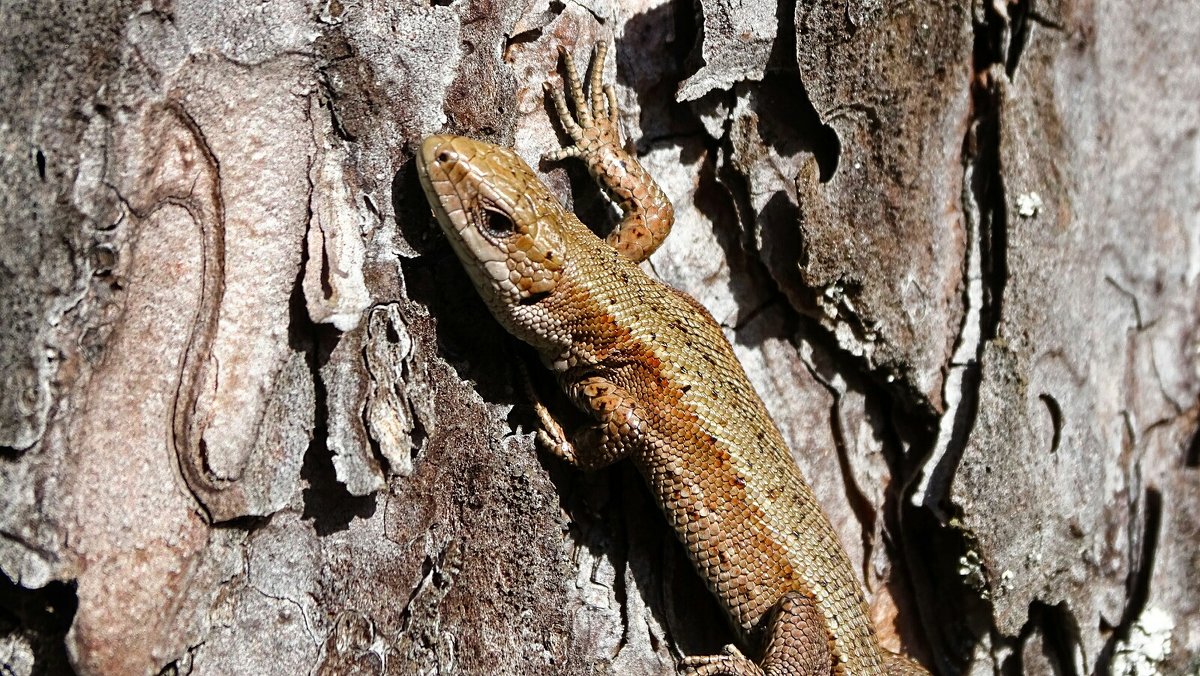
661, 385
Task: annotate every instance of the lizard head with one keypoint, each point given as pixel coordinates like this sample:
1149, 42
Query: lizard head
500, 220
496, 211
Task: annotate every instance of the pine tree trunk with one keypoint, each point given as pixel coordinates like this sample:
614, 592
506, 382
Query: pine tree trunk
254, 418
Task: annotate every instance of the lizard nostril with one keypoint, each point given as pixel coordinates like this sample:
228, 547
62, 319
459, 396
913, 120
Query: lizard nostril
443, 156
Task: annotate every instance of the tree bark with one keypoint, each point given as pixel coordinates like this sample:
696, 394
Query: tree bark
255, 420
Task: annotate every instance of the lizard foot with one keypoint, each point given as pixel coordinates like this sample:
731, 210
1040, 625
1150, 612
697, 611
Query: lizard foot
550, 435
598, 444
648, 214
797, 644
592, 127
731, 662
553, 437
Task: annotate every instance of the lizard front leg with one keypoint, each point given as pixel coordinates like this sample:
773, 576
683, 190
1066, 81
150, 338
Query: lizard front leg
601, 443
647, 213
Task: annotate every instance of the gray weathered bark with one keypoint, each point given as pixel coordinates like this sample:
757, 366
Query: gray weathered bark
254, 419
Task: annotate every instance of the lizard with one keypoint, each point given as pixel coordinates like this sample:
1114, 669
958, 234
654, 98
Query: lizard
659, 385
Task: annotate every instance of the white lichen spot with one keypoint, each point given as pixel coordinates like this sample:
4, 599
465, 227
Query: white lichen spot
970, 568
1148, 645
1029, 205
830, 300
1006, 582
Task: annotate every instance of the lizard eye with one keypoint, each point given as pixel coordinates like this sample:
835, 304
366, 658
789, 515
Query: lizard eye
498, 224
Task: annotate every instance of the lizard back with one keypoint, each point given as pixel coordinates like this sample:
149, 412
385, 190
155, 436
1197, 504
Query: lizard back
709, 451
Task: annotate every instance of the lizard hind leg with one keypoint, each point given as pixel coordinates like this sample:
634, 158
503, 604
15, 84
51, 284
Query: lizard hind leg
797, 643
731, 662
899, 665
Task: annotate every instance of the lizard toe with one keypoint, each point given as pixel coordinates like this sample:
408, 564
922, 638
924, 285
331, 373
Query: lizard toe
731, 662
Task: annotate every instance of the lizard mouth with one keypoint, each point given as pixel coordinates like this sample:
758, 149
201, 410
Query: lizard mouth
440, 177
